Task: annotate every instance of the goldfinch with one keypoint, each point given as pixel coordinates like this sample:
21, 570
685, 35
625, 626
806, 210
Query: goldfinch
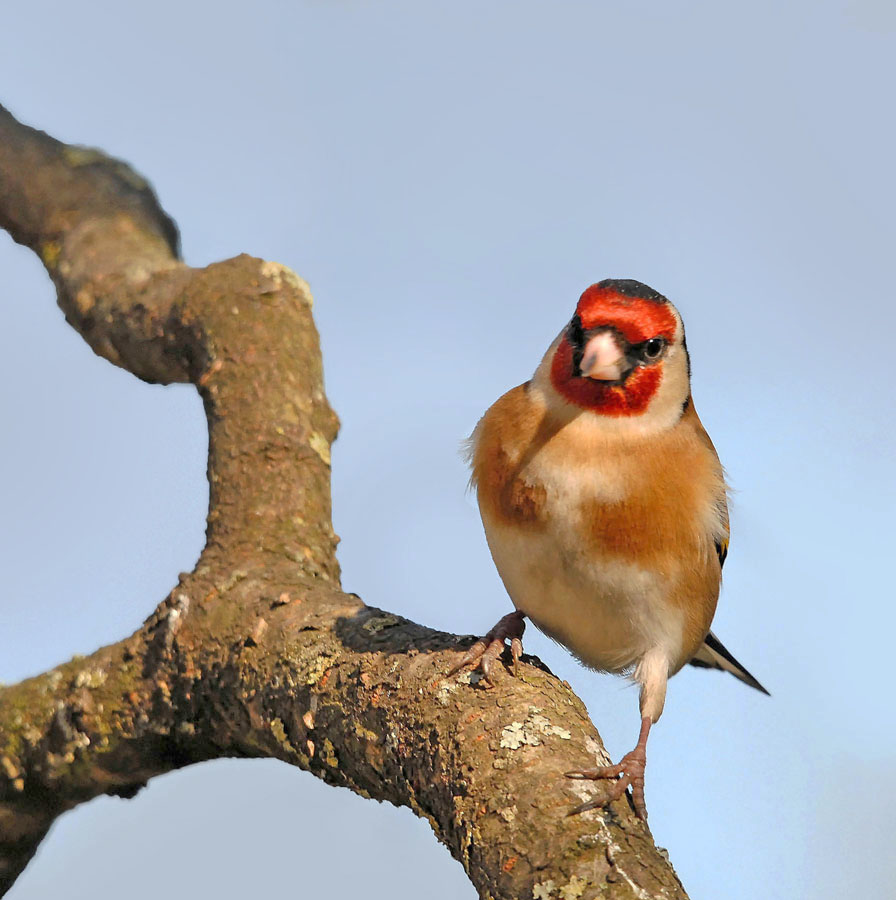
605, 509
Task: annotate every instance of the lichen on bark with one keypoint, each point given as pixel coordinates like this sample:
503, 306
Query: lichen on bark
258, 652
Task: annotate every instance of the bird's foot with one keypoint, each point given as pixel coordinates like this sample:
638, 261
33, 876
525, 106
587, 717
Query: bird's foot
486, 650
628, 772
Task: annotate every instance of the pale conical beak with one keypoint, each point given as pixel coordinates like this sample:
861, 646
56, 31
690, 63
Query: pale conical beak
603, 358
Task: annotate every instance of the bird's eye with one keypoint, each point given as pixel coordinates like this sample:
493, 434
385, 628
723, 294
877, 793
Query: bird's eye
653, 348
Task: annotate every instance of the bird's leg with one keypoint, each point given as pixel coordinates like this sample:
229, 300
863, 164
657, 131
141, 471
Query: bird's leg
629, 771
486, 650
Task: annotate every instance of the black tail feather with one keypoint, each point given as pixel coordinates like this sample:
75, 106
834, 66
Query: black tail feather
714, 655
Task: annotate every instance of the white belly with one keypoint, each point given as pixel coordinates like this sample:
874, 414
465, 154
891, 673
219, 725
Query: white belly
608, 612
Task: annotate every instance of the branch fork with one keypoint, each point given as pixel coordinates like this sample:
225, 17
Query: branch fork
258, 652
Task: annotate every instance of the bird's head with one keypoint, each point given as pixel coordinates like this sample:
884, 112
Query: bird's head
623, 355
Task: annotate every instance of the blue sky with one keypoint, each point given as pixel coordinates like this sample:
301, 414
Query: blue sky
448, 178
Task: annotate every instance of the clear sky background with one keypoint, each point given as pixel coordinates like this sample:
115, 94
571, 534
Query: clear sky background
449, 177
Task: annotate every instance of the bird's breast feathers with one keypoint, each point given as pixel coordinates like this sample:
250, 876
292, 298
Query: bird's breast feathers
606, 541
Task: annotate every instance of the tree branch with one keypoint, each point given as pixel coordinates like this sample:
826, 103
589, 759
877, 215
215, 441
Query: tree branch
258, 652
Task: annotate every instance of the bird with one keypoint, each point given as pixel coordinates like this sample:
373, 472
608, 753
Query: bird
605, 509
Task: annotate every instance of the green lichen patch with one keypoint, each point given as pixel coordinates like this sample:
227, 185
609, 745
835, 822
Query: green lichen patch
320, 445
328, 754
548, 890
279, 732
376, 624
318, 667
89, 678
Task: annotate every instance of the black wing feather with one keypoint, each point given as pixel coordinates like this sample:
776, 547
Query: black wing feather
722, 551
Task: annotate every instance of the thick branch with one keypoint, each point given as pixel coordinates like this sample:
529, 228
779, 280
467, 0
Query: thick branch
258, 652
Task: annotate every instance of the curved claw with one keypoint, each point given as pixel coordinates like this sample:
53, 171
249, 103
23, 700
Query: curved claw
629, 772
486, 650
625, 779
615, 793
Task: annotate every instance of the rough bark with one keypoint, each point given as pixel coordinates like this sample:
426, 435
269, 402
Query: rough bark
258, 652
